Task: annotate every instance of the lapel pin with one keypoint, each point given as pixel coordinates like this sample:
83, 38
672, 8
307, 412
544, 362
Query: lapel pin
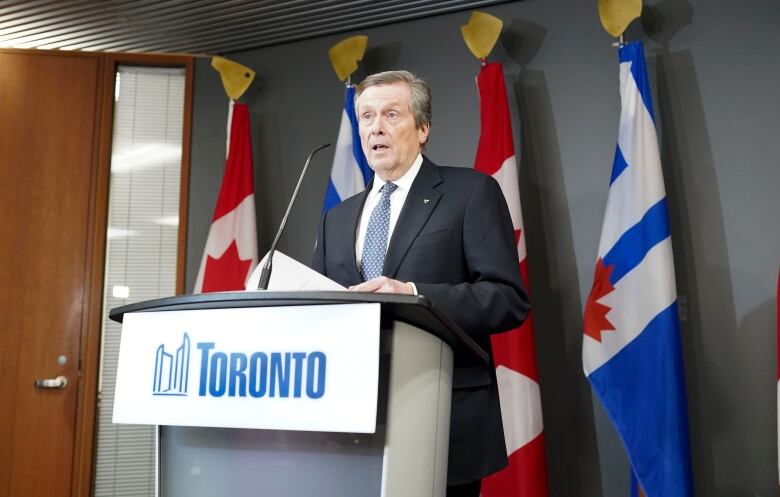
426, 200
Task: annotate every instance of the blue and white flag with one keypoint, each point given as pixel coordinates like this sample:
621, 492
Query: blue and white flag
350, 173
631, 349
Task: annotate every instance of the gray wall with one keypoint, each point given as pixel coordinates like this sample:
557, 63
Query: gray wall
715, 77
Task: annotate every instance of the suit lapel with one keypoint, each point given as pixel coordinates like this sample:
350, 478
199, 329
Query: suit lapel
352, 220
420, 203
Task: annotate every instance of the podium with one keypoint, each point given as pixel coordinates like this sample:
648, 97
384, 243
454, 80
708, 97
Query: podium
402, 454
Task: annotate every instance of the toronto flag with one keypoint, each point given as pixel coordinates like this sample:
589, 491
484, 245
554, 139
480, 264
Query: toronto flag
632, 353
350, 172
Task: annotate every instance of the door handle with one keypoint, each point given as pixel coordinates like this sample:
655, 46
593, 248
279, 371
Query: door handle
58, 382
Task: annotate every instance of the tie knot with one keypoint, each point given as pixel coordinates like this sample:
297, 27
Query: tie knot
388, 189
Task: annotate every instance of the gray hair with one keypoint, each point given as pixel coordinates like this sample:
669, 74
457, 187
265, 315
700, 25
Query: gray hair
420, 91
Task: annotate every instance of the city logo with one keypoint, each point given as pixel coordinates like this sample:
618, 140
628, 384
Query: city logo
171, 370
237, 374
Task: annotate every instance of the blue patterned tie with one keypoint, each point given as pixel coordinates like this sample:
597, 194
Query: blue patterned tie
375, 244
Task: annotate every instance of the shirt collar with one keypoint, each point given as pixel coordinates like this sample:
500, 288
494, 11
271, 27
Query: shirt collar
404, 181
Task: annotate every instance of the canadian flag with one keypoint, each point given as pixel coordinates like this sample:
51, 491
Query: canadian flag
514, 351
231, 248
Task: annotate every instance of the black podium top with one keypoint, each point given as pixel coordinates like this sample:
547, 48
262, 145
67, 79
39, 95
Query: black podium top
411, 309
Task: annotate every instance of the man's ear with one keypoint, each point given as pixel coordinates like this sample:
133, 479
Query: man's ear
422, 133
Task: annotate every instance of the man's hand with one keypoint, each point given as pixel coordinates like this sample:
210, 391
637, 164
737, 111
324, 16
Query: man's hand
383, 284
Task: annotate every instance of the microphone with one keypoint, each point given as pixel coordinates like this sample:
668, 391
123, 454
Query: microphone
265, 274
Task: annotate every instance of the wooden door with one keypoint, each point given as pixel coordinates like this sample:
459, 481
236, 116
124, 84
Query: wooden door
49, 128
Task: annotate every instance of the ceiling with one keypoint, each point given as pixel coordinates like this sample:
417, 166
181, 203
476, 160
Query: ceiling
198, 26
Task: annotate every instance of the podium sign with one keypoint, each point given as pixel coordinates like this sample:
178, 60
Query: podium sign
308, 368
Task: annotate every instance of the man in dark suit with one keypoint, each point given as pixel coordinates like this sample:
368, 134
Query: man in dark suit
441, 232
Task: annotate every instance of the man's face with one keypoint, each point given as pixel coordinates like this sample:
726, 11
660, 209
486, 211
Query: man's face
388, 133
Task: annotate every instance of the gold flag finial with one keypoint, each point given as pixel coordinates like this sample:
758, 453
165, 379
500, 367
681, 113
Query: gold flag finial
481, 33
345, 55
235, 77
616, 15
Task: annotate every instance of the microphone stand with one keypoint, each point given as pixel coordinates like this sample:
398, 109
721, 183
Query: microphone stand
265, 273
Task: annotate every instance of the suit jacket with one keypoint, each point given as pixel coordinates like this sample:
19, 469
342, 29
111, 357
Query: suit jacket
454, 240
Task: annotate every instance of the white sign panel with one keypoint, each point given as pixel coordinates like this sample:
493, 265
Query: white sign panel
310, 368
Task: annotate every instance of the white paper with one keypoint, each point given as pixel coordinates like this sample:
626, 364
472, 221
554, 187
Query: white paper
290, 275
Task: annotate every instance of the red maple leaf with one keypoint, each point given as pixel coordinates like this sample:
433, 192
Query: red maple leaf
596, 314
226, 273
